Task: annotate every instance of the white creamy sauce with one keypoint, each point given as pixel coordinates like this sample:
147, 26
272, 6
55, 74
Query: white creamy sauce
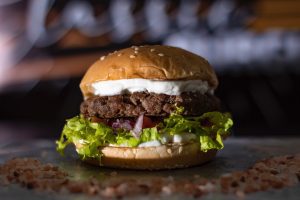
182, 138
116, 87
177, 138
153, 143
165, 138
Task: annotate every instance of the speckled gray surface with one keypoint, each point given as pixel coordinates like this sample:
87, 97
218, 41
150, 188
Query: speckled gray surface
238, 154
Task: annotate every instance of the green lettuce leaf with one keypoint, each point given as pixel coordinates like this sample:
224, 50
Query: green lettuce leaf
176, 124
218, 122
207, 142
90, 135
125, 138
210, 128
149, 134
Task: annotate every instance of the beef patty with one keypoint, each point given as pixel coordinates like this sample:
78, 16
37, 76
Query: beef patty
149, 104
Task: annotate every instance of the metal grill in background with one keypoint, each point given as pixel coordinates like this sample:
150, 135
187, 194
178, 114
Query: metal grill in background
253, 45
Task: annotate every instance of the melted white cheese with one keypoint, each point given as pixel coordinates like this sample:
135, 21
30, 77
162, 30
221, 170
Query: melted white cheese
116, 87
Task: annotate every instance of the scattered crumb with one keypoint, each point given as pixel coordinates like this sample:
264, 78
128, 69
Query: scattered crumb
273, 173
264, 175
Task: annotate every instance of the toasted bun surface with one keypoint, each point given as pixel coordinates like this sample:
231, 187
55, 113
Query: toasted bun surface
153, 158
153, 62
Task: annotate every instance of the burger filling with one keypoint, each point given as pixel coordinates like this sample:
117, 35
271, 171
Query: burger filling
143, 113
94, 128
148, 104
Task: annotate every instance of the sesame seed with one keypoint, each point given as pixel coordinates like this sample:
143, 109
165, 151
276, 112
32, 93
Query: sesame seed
102, 58
131, 56
119, 54
136, 48
161, 54
152, 50
136, 52
133, 46
115, 51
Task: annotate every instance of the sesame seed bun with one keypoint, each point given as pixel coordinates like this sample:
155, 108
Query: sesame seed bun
153, 62
152, 158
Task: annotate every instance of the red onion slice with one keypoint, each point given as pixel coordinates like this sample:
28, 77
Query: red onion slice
124, 124
137, 130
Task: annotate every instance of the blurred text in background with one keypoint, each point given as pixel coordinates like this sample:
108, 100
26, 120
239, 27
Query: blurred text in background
47, 45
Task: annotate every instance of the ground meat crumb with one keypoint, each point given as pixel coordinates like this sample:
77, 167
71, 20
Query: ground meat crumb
273, 173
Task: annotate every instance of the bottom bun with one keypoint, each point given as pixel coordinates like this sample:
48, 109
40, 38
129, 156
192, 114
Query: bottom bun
152, 158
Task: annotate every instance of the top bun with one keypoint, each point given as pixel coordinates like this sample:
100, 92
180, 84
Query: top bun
153, 62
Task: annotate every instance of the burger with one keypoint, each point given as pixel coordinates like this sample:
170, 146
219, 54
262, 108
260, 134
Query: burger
148, 107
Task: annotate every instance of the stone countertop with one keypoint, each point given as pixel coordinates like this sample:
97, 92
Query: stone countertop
238, 154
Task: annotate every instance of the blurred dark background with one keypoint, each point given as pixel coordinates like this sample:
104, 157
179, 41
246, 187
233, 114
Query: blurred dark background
47, 45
